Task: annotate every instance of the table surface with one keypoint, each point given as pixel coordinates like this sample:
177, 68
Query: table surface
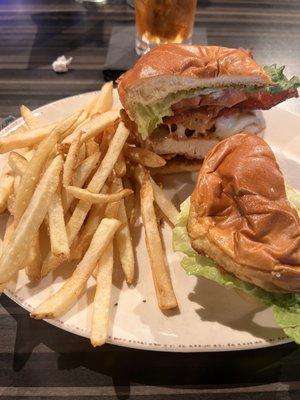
40, 361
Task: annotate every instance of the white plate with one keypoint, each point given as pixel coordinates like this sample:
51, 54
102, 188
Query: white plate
210, 318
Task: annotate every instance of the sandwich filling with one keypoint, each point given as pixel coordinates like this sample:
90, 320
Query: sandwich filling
200, 111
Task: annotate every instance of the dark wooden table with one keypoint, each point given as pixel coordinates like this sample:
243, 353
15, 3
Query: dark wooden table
38, 361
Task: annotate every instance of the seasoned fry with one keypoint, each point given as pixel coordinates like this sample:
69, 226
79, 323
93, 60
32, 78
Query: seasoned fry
164, 290
81, 154
57, 228
120, 166
30, 119
104, 101
32, 174
24, 139
124, 245
112, 209
130, 202
17, 163
34, 262
143, 156
6, 188
91, 147
62, 300
86, 195
176, 167
75, 223
165, 205
100, 317
84, 170
16, 252
90, 227
71, 161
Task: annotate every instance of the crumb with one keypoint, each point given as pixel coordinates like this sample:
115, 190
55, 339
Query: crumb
144, 301
115, 304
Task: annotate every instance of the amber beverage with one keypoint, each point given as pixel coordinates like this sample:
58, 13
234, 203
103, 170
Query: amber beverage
163, 21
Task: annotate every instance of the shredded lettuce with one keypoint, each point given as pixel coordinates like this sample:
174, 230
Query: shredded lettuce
286, 307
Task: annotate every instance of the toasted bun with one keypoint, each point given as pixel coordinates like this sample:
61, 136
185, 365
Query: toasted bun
240, 215
173, 67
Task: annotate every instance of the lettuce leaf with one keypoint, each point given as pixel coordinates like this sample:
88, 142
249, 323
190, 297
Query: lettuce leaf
286, 307
281, 81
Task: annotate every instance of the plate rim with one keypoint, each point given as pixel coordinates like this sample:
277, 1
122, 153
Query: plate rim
135, 344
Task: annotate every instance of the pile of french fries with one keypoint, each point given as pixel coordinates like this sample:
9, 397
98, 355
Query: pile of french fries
81, 178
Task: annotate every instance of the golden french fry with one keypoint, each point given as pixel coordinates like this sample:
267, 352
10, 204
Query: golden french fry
9, 230
71, 161
30, 119
16, 252
93, 127
112, 209
120, 166
164, 290
101, 305
104, 100
32, 174
6, 188
25, 139
86, 195
62, 300
91, 147
124, 245
82, 173
75, 223
57, 228
34, 262
81, 154
165, 205
90, 227
143, 156
176, 167
130, 202
17, 163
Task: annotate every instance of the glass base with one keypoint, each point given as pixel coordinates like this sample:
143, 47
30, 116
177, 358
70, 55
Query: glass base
142, 47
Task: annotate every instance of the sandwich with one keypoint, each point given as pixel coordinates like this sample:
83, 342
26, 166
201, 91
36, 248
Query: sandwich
241, 227
182, 100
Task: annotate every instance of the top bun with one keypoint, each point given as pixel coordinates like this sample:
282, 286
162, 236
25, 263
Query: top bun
240, 215
173, 67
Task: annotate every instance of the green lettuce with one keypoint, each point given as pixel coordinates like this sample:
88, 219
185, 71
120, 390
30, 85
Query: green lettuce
286, 307
148, 117
280, 80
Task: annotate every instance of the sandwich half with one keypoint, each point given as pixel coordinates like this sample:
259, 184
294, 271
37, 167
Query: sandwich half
241, 227
182, 100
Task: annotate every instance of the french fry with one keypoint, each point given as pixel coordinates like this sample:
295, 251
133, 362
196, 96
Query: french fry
81, 154
124, 245
100, 317
30, 119
130, 202
176, 167
24, 139
104, 101
16, 252
112, 209
91, 147
93, 127
95, 198
62, 300
165, 205
17, 163
32, 174
120, 166
164, 290
71, 161
6, 188
90, 227
9, 230
75, 223
57, 228
143, 156
34, 262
